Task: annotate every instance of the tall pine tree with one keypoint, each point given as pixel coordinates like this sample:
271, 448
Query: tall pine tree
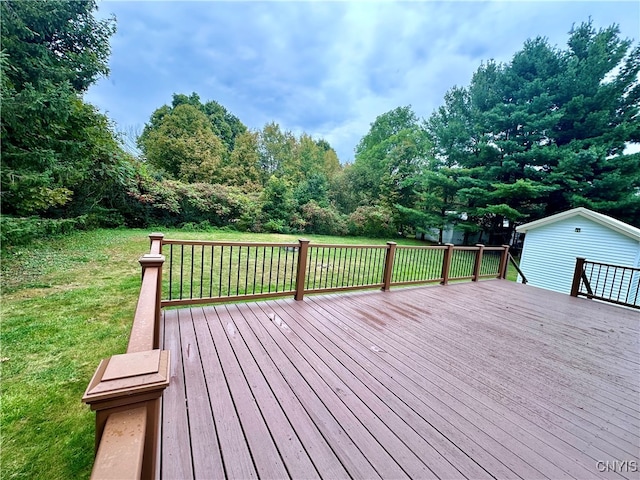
546, 132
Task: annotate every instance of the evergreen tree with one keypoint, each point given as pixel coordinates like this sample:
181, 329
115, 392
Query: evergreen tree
54, 146
546, 132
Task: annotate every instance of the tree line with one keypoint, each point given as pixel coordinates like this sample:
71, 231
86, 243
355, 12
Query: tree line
539, 134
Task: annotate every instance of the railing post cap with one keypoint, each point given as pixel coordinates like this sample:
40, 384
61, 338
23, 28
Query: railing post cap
128, 378
303, 240
449, 245
156, 236
151, 260
506, 246
391, 243
479, 244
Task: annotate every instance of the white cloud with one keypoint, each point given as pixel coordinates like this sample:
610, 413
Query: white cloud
327, 68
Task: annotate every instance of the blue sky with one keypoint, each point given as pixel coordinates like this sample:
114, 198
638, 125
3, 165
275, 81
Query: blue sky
325, 68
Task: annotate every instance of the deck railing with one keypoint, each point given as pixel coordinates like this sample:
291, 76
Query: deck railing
513, 262
126, 389
610, 283
200, 270
212, 271
333, 268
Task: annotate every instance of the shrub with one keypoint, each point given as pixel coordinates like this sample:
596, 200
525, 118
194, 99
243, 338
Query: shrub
171, 203
372, 221
250, 208
323, 220
16, 231
276, 226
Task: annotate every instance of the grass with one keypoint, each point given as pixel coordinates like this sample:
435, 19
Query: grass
66, 304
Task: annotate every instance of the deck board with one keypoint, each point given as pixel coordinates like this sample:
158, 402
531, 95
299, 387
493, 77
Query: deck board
285, 440
351, 456
364, 369
382, 421
338, 399
233, 444
478, 410
519, 361
469, 380
472, 416
303, 425
175, 462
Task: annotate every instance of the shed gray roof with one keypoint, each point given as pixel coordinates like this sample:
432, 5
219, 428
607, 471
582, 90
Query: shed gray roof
607, 221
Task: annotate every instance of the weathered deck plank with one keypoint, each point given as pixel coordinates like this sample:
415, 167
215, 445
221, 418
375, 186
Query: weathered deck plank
518, 361
174, 462
375, 416
473, 406
234, 450
285, 439
331, 393
490, 379
201, 424
363, 370
321, 454
349, 453
477, 415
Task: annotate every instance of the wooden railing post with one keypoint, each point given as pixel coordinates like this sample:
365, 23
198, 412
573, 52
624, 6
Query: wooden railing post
126, 390
132, 382
388, 266
301, 272
155, 239
151, 260
504, 262
478, 263
577, 276
446, 263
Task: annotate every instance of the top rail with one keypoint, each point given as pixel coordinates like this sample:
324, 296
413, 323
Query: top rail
145, 330
602, 264
227, 244
355, 247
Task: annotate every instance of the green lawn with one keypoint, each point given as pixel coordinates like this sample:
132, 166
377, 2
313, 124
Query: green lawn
66, 304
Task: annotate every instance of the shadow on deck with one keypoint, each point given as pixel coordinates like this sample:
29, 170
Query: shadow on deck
475, 380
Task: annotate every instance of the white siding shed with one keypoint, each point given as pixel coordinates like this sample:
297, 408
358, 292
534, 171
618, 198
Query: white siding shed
552, 244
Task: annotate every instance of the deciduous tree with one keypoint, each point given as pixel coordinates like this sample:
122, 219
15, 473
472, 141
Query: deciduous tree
395, 149
182, 144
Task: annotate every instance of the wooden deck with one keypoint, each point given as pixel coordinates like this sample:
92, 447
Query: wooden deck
476, 380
